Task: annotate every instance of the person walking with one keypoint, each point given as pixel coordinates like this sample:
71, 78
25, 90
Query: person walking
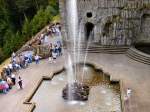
20, 82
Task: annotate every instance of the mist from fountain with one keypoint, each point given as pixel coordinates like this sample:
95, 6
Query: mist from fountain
71, 77
75, 37
79, 43
72, 22
85, 56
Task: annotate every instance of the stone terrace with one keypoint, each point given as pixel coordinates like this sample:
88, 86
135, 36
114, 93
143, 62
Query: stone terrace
134, 75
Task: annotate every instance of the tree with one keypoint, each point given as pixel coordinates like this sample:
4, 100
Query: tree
20, 20
40, 20
26, 30
7, 48
1, 55
4, 20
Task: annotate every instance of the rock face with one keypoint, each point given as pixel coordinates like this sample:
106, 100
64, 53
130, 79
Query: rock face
111, 22
76, 91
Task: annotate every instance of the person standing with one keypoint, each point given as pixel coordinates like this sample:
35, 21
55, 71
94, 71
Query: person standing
20, 82
54, 54
59, 48
13, 55
13, 78
30, 57
37, 59
50, 53
8, 71
129, 92
9, 82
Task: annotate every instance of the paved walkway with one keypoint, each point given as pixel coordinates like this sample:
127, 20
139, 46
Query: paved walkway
134, 75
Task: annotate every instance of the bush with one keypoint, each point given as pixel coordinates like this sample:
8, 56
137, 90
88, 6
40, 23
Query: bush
26, 30
41, 19
12, 43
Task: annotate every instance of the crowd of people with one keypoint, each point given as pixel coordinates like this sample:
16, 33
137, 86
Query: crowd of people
55, 29
52, 31
10, 73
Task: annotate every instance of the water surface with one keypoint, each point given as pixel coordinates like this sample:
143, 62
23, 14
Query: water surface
103, 97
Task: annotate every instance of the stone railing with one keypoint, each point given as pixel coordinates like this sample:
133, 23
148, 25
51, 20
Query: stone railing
139, 56
27, 101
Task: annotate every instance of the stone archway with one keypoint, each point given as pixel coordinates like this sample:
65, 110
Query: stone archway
145, 28
89, 31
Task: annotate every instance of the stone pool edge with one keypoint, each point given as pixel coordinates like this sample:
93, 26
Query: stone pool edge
33, 104
28, 99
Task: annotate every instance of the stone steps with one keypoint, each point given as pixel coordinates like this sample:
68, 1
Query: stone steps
102, 49
138, 56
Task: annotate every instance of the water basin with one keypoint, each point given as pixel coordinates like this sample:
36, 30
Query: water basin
104, 96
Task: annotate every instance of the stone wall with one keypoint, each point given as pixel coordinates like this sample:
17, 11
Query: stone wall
116, 22
145, 28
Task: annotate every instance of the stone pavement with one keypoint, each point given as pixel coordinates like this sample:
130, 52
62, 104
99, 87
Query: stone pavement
135, 75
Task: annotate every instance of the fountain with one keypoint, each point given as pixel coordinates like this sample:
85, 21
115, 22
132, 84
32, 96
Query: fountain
101, 96
78, 91
82, 85
74, 90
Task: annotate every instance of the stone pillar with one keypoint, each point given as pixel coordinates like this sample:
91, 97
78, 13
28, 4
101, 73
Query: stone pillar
96, 33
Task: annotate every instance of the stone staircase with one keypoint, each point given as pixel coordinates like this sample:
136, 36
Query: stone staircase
131, 52
139, 56
96, 48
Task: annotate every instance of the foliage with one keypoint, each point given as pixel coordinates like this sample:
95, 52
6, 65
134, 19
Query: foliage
26, 29
56, 18
1, 55
40, 20
22, 19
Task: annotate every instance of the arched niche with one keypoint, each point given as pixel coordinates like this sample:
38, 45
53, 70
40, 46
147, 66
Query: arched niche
89, 31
